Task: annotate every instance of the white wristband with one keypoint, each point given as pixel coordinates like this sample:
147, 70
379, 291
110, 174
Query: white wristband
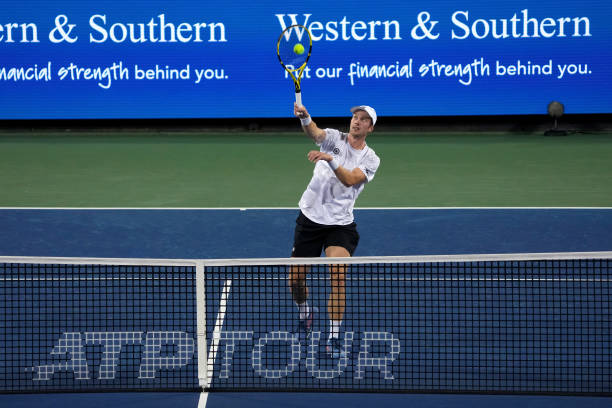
333, 164
306, 121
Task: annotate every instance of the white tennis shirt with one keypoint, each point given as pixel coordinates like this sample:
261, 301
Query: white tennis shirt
326, 200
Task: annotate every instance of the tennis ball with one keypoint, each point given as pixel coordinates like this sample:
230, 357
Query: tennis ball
298, 49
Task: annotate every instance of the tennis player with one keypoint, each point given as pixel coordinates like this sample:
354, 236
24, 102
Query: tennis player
343, 165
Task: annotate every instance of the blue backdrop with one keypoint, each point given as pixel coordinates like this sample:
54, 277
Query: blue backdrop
417, 58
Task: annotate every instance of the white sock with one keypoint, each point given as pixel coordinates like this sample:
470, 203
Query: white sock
334, 328
304, 310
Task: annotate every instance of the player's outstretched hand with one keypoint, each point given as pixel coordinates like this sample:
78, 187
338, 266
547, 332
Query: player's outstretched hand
300, 111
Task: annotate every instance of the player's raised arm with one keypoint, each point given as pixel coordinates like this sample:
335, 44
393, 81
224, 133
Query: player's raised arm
310, 128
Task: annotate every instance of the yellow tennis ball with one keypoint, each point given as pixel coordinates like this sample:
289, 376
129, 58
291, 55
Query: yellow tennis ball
298, 49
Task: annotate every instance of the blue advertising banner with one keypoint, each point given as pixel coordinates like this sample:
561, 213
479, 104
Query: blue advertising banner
200, 59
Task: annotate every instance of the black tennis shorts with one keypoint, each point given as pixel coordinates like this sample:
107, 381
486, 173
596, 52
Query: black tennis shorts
310, 238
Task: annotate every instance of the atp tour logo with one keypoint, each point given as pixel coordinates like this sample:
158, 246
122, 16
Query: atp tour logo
365, 359
72, 346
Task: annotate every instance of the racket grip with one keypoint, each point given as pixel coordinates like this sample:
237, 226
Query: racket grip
298, 98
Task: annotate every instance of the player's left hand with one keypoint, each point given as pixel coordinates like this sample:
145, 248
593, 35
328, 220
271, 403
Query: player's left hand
316, 155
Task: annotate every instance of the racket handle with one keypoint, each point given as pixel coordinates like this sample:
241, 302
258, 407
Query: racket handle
298, 98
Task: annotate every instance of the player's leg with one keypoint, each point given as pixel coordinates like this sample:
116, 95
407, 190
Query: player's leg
307, 242
337, 297
340, 243
337, 300
297, 285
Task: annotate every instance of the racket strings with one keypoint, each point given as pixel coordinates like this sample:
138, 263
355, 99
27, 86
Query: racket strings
294, 59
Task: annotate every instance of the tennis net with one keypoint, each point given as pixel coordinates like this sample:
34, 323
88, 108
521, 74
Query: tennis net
512, 323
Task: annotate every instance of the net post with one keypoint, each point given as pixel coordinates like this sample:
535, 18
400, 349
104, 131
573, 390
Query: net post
201, 325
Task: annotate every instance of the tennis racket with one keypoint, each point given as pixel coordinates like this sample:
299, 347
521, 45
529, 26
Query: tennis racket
293, 50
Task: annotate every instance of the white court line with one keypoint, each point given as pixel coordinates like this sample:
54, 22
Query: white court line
203, 399
296, 208
212, 354
214, 346
201, 332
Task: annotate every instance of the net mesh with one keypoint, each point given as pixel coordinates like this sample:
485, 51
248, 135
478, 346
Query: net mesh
508, 326
97, 327
526, 326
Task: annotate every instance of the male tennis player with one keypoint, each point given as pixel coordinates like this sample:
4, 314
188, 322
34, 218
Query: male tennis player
343, 165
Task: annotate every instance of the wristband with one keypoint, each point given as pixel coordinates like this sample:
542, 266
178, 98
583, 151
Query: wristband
333, 164
306, 121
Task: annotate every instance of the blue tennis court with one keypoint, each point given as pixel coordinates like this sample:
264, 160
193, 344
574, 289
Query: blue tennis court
266, 233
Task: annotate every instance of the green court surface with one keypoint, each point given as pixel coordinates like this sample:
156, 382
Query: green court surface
257, 169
